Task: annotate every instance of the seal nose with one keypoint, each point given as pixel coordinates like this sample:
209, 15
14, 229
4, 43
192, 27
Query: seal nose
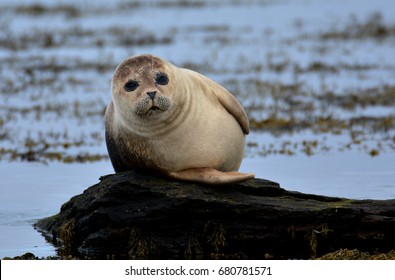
151, 94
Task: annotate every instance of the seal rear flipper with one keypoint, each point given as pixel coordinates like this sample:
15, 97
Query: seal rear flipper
211, 176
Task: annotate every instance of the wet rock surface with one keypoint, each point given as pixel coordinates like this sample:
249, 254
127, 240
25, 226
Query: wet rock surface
137, 216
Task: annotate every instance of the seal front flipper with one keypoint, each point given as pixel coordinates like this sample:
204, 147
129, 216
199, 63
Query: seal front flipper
211, 176
227, 100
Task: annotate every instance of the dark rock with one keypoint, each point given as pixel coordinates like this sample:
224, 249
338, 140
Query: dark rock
134, 216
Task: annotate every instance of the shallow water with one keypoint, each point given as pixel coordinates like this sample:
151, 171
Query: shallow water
30, 191
316, 77
350, 175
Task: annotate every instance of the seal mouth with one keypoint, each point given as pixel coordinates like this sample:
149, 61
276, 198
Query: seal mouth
154, 109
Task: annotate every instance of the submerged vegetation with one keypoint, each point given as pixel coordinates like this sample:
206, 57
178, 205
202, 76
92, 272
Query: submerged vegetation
55, 81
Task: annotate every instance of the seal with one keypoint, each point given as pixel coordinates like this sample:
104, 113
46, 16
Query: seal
174, 121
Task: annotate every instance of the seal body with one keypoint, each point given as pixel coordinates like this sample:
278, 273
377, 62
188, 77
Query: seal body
174, 121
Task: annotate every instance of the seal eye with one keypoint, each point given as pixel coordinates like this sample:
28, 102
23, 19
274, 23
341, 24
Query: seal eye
131, 85
162, 79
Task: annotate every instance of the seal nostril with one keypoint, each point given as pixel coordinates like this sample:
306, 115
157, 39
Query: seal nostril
151, 94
